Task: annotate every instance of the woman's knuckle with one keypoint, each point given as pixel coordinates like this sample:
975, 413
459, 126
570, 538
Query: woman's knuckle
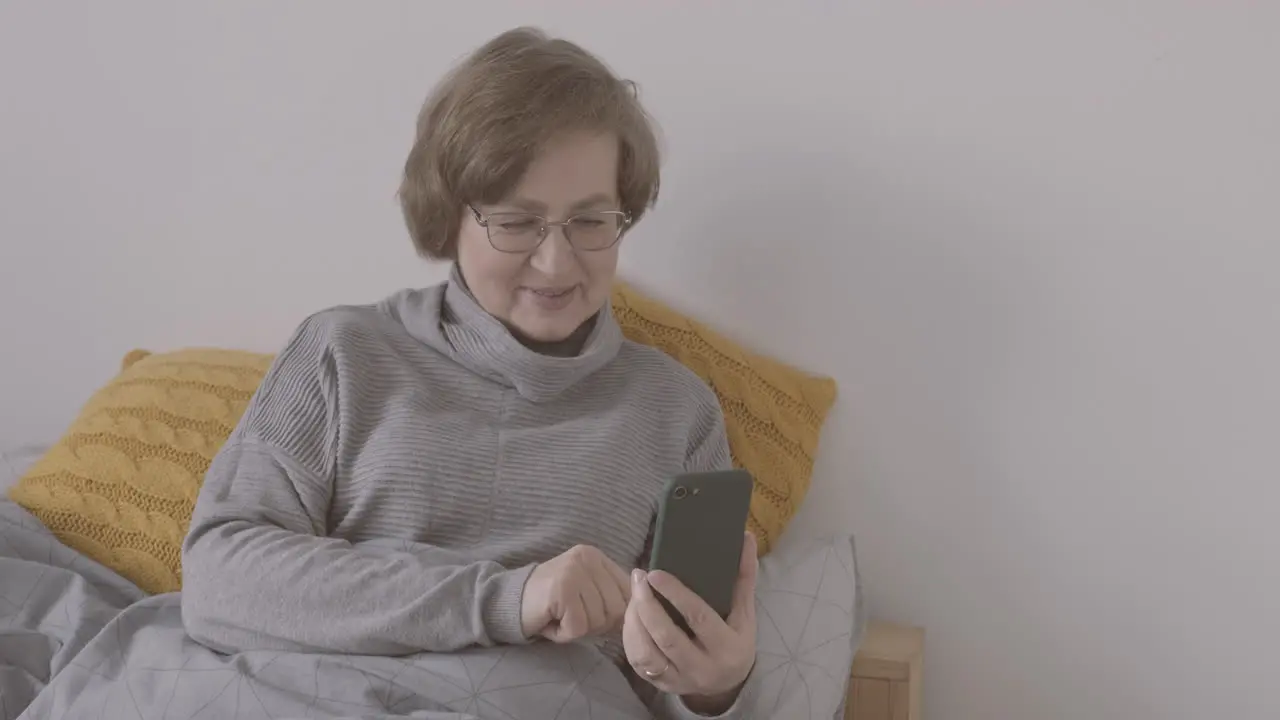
697, 618
665, 640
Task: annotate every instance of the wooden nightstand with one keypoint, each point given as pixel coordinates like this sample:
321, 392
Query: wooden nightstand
885, 681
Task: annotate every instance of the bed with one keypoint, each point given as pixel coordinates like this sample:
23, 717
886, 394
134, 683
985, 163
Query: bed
90, 569
79, 640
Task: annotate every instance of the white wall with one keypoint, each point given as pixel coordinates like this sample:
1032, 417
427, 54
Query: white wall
1037, 244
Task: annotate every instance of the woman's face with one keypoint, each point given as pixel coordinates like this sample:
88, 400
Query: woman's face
546, 294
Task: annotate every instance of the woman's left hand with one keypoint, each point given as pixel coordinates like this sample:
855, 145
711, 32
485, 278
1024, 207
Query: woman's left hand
708, 669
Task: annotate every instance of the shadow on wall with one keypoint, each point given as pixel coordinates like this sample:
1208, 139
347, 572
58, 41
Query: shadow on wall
838, 265
915, 292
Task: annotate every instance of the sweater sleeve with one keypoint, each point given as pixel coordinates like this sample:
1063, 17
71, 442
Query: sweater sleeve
259, 573
708, 442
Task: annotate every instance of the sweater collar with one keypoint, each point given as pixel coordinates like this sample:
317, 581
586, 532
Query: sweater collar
448, 318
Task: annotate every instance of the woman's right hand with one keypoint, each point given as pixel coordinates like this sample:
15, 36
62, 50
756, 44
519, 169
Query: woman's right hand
578, 593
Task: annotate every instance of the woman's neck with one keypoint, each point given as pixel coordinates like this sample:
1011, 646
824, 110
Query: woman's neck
449, 319
568, 347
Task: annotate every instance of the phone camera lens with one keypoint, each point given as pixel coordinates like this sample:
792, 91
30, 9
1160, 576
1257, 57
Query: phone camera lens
681, 492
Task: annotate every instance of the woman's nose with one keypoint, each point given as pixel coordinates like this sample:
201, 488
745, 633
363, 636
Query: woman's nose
555, 255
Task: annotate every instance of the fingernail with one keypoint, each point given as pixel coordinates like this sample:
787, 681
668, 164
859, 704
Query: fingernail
637, 576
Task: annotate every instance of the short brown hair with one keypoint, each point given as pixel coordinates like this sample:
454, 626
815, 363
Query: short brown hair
484, 123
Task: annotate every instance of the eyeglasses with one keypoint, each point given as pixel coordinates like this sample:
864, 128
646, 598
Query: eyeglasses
524, 232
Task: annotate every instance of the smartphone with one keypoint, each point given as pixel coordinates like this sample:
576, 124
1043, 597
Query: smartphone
699, 533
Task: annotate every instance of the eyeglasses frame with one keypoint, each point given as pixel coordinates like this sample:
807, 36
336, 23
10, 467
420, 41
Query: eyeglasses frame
545, 231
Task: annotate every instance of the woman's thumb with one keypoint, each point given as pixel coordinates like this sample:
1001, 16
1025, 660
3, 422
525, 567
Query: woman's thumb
572, 623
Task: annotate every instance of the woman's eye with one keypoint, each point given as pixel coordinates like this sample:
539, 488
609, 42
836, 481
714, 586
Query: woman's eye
588, 222
518, 225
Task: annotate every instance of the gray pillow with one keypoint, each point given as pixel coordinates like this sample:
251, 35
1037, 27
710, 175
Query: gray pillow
811, 617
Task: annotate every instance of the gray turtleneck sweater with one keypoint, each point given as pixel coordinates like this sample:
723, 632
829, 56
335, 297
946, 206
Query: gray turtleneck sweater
405, 465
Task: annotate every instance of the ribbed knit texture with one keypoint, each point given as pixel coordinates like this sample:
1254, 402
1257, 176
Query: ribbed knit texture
404, 466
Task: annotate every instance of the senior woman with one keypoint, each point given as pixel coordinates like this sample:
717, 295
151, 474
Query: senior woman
479, 462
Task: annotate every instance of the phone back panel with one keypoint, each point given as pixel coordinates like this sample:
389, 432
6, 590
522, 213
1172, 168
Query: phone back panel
699, 532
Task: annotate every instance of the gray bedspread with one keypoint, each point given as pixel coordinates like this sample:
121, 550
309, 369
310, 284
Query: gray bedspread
53, 602
78, 641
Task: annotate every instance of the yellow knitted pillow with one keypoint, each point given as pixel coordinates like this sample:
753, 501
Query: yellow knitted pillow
773, 412
121, 483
